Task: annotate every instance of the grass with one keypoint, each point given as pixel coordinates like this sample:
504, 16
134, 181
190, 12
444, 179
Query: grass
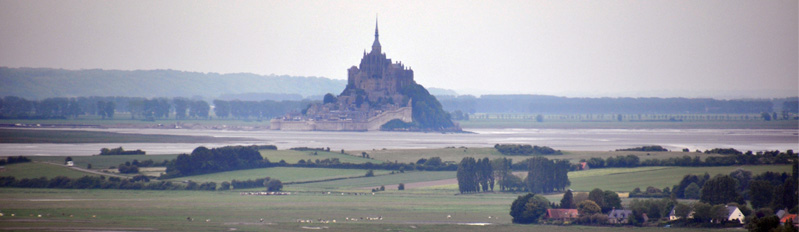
168, 210
103, 161
292, 156
456, 154
407, 177
627, 179
71, 136
36, 170
284, 174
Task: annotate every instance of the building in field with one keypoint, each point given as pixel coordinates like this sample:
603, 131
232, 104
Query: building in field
373, 97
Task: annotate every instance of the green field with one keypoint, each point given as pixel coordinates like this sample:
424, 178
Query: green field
36, 170
292, 156
103, 161
168, 210
74, 136
284, 174
456, 154
627, 179
407, 177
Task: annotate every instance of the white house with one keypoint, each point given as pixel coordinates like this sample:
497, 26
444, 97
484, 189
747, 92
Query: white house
734, 213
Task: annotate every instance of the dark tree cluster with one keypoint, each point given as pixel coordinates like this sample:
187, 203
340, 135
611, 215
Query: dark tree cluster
520, 149
530, 208
14, 160
724, 151
546, 176
257, 110
475, 175
120, 151
645, 148
195, 108
128, 168
203, 160
90, 182
50, 108
748, 158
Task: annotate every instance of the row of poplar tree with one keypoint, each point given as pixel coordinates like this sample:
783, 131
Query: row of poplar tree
543, 175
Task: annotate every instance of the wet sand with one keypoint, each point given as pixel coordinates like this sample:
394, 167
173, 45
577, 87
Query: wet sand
562, 139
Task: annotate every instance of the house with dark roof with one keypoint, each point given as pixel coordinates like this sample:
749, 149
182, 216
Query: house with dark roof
619, 216
562, 214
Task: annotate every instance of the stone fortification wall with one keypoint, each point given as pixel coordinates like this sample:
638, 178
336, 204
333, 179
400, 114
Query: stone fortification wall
373, 124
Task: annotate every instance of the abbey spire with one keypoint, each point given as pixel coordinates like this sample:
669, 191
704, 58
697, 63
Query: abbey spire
376, 44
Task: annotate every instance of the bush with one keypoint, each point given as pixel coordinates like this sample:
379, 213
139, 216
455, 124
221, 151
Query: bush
645, 148
274, 185
401, 187
370, 173
519, 149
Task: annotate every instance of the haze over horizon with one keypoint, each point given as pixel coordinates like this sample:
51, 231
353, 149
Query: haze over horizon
719, 49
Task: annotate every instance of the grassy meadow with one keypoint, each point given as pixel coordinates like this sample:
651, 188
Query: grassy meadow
64, 209
292, 156
103, 161
284, 174
35, 170
424, 206
456, 154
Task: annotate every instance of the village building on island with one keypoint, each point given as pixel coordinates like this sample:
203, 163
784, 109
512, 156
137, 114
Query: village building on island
371, 99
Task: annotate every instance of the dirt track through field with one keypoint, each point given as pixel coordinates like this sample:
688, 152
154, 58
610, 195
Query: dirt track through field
420, 184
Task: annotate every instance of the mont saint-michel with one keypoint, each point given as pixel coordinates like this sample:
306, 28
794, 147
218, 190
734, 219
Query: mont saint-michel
380, 95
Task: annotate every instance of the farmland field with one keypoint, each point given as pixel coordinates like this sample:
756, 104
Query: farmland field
103, 161
292, 156
456, 154
284, 174
169, 210
36, 170
627, 179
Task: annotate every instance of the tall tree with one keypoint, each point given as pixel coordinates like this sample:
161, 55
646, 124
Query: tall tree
221, 108
467, 175
761, 192
567, 202
598, 197
720, 190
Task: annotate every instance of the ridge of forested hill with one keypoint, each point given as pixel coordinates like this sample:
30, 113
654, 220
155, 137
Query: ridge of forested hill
40, 83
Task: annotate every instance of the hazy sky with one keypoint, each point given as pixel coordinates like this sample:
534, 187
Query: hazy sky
726, 48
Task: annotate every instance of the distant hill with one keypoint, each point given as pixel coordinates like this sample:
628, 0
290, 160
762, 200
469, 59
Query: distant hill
40, 83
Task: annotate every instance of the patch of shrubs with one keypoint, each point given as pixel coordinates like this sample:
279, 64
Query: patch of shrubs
519, 149
120, 151
645, 148
14, 160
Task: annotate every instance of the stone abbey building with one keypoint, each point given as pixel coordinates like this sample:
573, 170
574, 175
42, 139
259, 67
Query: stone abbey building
372, 98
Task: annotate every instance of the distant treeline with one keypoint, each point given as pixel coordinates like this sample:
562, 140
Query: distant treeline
541, 104
748, 158
645, 148
120, 151
40, 83
144, 108
139, 182
14, 160
519, 149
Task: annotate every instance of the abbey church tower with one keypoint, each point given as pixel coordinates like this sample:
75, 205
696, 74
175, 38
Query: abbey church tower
379, 78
